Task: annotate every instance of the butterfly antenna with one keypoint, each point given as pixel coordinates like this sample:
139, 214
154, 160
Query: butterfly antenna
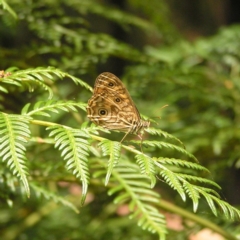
166, 105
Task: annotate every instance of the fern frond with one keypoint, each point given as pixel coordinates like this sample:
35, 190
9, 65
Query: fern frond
3, 89
178, 182
160, 145
193, 193
111, 149
8, 8
209, 191
159, 132
117, 16
173, 181
76, 80
14, 132
75, 150
40, 191
30, 78
133, 187
181, 183
181, 163
229, 211
42, 107
198, 179
38, 76
147, 167
93, 129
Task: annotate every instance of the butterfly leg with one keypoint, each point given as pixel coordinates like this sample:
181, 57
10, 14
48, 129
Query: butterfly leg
141, 138
125, 136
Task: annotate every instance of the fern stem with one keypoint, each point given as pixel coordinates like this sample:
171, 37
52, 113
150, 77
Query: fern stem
46, 123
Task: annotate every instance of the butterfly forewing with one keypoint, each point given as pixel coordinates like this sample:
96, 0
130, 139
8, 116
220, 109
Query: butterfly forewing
112, 107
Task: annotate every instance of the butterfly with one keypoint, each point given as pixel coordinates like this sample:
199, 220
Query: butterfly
112, 107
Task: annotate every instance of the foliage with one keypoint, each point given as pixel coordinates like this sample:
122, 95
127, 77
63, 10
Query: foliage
48, 148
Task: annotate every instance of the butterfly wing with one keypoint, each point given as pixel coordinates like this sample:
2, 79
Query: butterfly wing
111, 106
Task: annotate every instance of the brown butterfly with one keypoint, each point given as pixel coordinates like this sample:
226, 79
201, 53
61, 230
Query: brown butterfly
112, 107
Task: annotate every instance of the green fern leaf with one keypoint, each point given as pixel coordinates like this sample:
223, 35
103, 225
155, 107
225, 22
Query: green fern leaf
37, 76
209, 191
159, 132
198, 179
111, 149
173, 181
14, 132
3, 89
228, 210
160, 145
43, 107
8, 8
133, 187
147, 167
75, 150
40, 191
181, 163
192, 193
210, 201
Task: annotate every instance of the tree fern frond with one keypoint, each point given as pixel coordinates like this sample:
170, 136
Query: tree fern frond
8, 8
192, 193
229, 211
198, 179
75, 150
41, 107
159, 132
160, 145
14, 132
3, 89
181, 163
132, 187
173, 181
93, 129
111, 149
77, 81
30, 78
210, 201
147, 167
115, 15
40, 191
180, 182
210, 191
38, 75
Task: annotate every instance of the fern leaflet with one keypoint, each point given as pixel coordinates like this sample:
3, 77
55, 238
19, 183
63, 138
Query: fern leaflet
132, 187
38, 76
159, 132
147, 167
160, 145
50, 195
181, 183
111, 149
41, 107
75, 150
14, 132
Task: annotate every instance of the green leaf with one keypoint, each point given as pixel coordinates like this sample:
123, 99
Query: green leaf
43, 107
75, 151
40, 191
132, 187
14, 133
147, 167
111, 149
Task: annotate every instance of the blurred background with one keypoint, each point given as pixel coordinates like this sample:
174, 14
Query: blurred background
182, 53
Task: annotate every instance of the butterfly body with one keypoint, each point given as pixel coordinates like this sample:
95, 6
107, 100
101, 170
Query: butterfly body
112, 107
